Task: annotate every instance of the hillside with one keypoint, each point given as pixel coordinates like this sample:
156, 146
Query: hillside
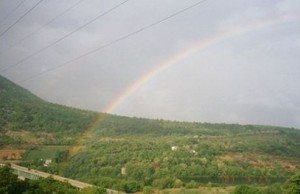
132, 154
28, 120
168, 154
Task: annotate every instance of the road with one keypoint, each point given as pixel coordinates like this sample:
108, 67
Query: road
38, 173
73, 182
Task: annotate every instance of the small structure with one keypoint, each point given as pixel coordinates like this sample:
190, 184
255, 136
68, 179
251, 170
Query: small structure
123, 171
47, 162
174, 148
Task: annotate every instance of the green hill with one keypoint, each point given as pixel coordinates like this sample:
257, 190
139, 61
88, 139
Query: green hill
130, 154
28, 120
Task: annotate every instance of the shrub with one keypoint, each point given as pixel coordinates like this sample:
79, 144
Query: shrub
245, 189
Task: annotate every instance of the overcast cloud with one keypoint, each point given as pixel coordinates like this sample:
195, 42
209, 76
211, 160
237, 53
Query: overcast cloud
251, 76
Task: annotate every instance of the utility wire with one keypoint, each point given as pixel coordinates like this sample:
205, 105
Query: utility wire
12, 11
114, 41
20, 18
39, 29
62, 38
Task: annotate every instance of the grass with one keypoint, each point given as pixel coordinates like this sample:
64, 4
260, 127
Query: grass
44, 152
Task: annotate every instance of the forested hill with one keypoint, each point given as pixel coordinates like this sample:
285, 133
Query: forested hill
27, 119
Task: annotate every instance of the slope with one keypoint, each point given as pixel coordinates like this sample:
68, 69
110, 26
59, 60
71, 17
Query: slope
28, 120
131, 153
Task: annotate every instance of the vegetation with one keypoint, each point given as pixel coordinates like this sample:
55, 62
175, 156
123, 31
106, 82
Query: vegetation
140, 151
244, 189
135, 154
26, 119
292, 185
9, 184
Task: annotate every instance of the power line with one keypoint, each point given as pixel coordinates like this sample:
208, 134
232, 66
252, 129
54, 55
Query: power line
39, 29
114, 41
64, 37
21, 18
12, 11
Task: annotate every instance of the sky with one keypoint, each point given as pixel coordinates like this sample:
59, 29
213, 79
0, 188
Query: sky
202, 61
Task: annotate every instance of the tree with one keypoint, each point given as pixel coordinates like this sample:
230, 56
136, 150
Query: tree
9, 183
147, 190
273, 189
93, 190
49, 185
244, 189
192, 184
163, 183
292, 185
132, 186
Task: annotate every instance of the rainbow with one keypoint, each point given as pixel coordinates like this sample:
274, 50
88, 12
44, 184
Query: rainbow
201, 45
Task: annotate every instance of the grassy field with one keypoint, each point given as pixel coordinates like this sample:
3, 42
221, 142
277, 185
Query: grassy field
43, 152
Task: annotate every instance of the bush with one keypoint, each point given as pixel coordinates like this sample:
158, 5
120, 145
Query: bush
130, 186
163, 183
93, 190
244, 189
192, 184
177, 183
273, 189
292, 185
147, 190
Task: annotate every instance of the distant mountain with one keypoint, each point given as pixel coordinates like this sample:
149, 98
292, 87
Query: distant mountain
27, 119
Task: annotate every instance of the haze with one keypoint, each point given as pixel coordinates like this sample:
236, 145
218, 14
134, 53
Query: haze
244, 67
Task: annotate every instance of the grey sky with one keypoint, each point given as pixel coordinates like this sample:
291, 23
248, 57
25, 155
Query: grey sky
249, 75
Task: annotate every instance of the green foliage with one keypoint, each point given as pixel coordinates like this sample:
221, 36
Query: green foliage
56, 153
192, 184
147, 190
49, 185
273, 189
292, 185
131, 186
245, 189
93, 190
150, 160
9, 184
164, 183
44, 122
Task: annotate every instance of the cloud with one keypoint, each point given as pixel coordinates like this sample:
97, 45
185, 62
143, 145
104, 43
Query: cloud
251, 76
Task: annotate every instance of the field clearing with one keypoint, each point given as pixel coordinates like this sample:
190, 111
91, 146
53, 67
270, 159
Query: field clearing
44, 152
31, 137
11, 154
259, 160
